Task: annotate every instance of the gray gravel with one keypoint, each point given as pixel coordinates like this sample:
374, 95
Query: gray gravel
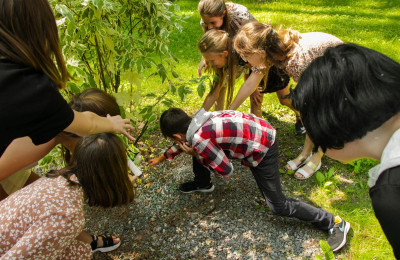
232, 222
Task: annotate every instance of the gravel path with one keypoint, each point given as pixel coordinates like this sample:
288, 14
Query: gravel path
232, 222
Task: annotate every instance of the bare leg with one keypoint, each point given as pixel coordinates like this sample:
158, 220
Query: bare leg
315, 160
256, 100
307, 149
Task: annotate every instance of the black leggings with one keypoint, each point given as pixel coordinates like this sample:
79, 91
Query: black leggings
268, 180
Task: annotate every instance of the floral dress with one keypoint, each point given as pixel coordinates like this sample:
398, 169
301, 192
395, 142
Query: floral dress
42, 221
310, 46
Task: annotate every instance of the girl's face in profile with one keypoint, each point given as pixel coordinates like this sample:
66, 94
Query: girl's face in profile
213, 22
216, 60
255, 59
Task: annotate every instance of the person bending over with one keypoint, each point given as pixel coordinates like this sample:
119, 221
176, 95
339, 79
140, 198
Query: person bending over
214, 138
358, 116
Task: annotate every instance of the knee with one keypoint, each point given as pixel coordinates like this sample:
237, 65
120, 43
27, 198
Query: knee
279, 209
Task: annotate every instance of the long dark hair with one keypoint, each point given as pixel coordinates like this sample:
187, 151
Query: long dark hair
100, 165
29, 36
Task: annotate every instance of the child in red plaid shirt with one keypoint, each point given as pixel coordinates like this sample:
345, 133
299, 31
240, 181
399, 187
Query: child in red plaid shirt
213, 138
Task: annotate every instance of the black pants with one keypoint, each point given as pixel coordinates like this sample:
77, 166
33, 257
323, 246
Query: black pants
267, 177
385, 197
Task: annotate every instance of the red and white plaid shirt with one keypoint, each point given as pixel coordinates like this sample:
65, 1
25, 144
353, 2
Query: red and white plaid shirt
229, 134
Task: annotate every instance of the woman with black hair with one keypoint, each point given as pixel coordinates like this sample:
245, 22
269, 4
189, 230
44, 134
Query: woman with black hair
349, 101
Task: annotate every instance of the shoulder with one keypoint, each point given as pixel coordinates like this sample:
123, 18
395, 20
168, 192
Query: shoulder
17, 74
239, 12
28, 82
318, 38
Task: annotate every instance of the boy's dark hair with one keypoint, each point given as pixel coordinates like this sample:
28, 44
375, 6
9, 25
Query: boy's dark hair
347, 92
101, 166
174, 121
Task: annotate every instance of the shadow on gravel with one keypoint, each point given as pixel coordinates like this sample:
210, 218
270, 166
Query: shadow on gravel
231, 222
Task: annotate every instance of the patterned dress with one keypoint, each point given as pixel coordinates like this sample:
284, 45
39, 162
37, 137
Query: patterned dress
310, 46
42, 221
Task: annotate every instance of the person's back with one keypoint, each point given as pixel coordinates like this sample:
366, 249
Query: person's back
310, 46
233, 134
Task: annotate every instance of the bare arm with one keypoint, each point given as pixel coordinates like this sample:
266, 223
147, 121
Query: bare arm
157, 160
248, 87
202, 64
209, 101
21, 153
87, 123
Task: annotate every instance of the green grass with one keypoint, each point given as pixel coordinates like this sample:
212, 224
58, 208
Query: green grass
374, 24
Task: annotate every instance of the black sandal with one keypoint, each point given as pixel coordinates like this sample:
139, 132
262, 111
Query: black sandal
108, 244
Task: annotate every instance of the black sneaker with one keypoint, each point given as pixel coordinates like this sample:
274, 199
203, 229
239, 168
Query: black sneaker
192, 186
300, 129
338, 234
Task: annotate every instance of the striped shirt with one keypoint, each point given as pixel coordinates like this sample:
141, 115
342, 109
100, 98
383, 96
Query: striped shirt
229, 135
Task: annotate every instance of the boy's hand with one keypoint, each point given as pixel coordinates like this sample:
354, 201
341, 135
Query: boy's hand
187, 148
157, 160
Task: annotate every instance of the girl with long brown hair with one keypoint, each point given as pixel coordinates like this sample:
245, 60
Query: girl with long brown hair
263, 46
32, 71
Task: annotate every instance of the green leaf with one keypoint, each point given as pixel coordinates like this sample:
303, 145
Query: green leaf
92, 82
327, 250
167, 102
152, 118
172, 87
174, 74
201, 88
162, 72
181, 92
330, 173
122, 98
290, 172
132, 77
320, 177
74, 88
64, 11
327, 184
98, 4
